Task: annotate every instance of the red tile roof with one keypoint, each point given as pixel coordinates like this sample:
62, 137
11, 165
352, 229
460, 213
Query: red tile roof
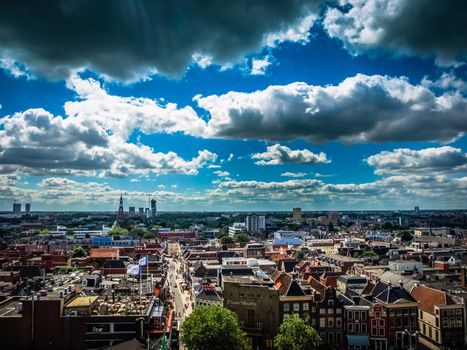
428, 297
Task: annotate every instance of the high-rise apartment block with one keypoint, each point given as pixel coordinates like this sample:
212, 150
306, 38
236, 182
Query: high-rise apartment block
17, 208
255, 223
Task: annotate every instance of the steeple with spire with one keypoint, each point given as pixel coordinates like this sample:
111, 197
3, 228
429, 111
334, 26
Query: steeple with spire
121, 212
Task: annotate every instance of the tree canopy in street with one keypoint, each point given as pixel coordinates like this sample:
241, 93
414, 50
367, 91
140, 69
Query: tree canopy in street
295, 334
212, 328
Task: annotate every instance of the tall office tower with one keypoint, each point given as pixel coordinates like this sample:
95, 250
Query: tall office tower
297, 213
153, 208
255, 223
28, 208
121, 212
131, 211
417, 210
17, 208
141, 211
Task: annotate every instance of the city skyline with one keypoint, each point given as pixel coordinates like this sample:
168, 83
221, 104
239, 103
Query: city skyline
306, 104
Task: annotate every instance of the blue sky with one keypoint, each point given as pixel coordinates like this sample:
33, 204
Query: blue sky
322, 111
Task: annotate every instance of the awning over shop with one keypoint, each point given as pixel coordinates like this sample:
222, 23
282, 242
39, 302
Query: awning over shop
358, 340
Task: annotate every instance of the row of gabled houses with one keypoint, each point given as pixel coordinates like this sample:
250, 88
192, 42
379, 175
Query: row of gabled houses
352, 304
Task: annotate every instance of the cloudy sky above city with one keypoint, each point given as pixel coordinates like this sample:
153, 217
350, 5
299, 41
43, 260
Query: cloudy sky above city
216, 105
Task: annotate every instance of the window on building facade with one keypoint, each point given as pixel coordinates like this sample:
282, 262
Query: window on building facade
330, 338
98, 328
322, 311
363, 327
350, 315
322, 323
330, 323
306, 306
251, 317
350, 328
331, 302
338, 338
339, 311
330, 311
124, 327
296, 307
286, 307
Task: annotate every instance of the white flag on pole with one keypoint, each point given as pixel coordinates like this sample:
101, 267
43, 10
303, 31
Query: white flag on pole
143, 261
132, 269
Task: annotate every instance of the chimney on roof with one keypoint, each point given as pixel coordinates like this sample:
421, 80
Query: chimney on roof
389, 284
401, 284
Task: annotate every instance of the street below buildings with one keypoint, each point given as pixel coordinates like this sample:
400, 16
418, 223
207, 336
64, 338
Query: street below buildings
182, 298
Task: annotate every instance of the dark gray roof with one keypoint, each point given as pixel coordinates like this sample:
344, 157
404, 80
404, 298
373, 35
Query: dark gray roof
387, 293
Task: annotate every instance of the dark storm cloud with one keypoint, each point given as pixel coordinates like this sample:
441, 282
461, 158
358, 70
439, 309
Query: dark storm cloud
428, 27
127, 38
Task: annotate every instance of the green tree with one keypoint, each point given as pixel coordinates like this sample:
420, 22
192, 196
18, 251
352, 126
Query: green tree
242, 238
138, 232
149, 235
79, 252
369, 254
118, 231
387, 226
295, 334
227, 240
212, 328
41, 231
70, 232
300, 255
405, 236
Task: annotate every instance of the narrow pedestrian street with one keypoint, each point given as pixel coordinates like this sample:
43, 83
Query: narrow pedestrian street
182, 298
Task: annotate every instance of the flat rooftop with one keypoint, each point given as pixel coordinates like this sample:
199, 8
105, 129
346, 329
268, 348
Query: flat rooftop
128, 305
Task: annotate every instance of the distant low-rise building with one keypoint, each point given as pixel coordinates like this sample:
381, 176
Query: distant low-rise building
407, 266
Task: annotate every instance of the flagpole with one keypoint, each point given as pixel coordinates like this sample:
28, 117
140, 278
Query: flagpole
147, 269
140, 280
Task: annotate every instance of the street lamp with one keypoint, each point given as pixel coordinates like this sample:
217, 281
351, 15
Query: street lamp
414, 334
